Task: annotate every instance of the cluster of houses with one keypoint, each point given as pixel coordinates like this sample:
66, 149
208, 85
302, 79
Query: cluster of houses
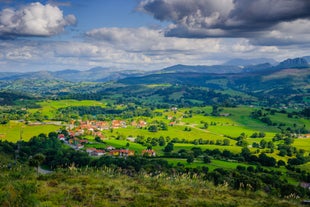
149, 153
73, 141
118, 152
105, 125
95, 128
79, 144
92, 127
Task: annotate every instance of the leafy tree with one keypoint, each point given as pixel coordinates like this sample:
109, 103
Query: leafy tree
169, 147
190, 159
228, 154
154, 142
4, 119
267, 161
163, 126
250, 169
254, 135
153, 128
161, 141
245, 152
306, 112
263, 144
270, 145
288, 141
281, 163
299, 160
36, 160
215, 110
255, 145
266, 120
98, 139
205, 125
226, 142
196, 151
206, 159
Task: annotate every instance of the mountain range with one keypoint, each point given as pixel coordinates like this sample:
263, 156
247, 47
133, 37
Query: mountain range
100, 74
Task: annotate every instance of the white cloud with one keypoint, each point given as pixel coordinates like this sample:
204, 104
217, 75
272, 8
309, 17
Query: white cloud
34, 19
242, 46
19, 55
269, 49
286, 33
132, 48
150, 40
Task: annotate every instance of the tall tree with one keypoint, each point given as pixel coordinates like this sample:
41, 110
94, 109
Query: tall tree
36, 160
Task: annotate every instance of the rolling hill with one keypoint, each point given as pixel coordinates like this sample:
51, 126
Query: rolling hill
101, 74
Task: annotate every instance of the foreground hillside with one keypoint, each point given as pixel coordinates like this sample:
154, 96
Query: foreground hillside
21, 186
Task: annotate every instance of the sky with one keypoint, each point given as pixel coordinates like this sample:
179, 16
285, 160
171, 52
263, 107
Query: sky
148, 34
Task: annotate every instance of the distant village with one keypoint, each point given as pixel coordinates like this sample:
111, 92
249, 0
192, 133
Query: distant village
78, 129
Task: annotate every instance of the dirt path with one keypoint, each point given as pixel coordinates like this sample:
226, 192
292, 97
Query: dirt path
44, 172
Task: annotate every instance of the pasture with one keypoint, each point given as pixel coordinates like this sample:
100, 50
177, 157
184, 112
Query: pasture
117, 144
172, 132
49, 107
14, 130
302, 143
233, 149
212, 166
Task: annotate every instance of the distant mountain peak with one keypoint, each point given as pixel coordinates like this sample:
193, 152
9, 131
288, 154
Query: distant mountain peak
99, 69
250, 62
217, 69
307, 58
294, 63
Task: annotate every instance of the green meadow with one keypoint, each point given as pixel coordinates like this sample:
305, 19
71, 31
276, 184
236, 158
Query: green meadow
14, 130
302, 143
213, 165
172, 132
290, 122
117, 144
49, 107
305, 167
234, 149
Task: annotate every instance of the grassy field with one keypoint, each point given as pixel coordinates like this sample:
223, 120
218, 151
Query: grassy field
213, 165
49, 107
118, 144
305, 167
241, 115
172, 132
14, 130
302, 143
234, 149
282, 118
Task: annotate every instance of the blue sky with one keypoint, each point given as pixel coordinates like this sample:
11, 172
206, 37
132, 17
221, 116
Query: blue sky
148, 34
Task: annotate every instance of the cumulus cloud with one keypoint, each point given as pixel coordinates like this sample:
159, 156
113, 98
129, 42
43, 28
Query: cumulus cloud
230, 18
150, 46
286, 33
131, 48
150, 41
34, 19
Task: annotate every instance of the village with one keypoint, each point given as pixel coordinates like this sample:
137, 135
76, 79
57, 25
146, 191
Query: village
78, 129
